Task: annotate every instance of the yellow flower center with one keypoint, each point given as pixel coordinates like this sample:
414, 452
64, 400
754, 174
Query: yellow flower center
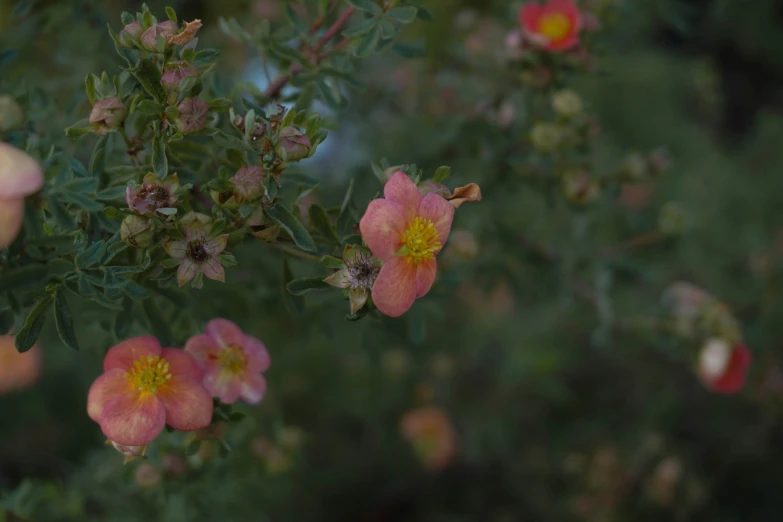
233, 359
420, 240
554, 26
148, 373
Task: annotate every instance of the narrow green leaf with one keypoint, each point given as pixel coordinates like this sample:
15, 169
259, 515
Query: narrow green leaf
294, 304
368, 43
301, 286
442, 174
332, 262
366, 5
91, 256
361, 28
64, 321
149, 76
387, 29
410, 49
98, 154
171, 14
293, 227
159, 161
89, 84
31, 331
220, 104
320, 221
404, 14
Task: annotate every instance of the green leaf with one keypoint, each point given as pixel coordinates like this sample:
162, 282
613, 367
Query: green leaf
31, 331
368, 43
159, 161
149, 76
84, 202
294, 304
150, 107
293, 227
231, 142
361, 28
113, 213
410, 49
171, 14
135, 291
366, 5
424, 14
127, 18
64, 321
92, 256
301, 286
404, 14
441, 174
111, 194
27, 277
98, 154
89, 84
220, 104
320, 221
387, 29
75, 132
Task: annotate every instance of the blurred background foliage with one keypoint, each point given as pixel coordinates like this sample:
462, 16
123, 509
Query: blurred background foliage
559, 413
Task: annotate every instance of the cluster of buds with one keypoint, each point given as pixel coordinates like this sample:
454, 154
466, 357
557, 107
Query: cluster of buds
696, 315
146, 33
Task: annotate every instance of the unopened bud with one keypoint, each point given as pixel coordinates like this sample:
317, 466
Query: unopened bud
155, 38
136, 231
249, 183
193, 114
11, 114
130, 35
175, 73
107, 114
567, 104
579, 188
295, 144
546, 136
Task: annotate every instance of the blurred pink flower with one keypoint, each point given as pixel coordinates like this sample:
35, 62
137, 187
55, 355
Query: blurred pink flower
20, 176
432, 435
723, 366
144, 387
407, 231
554, 25
232, 361
17, 370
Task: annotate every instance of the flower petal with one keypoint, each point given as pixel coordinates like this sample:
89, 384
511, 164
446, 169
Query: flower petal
339, 279
105, 388
20, 174
217, 244
176, 249
530, 14
440, 212
253, 388
225, 333
425, 276
133, 419
188, 405
223, 385
257, 355
214, 270
186, 272
124, 354
11, 216
182, 364
395, 289
402, 190
204, 349
383, 227
564, 44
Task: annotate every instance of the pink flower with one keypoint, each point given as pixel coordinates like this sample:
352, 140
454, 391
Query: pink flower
17, 370
722, 366
144, 387
198, 251
232, 361
152, 194
20, 176
554, 25
407, 231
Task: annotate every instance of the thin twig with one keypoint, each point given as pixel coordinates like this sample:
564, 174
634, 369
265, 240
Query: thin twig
297, 253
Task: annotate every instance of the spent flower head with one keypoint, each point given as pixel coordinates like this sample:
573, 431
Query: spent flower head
107, 114
153, 194
198, 252
358, 277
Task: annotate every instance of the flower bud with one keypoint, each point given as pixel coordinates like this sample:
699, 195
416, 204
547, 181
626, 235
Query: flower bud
192, 115
11, 114
130, 34
579, 188
567, 104
546, 136
295, 144
155, 38
107, 114
175, 73
249, 183
672, 220
135, 230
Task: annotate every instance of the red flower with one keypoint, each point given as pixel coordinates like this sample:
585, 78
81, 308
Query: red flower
723, 367
144, 387
554, 26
